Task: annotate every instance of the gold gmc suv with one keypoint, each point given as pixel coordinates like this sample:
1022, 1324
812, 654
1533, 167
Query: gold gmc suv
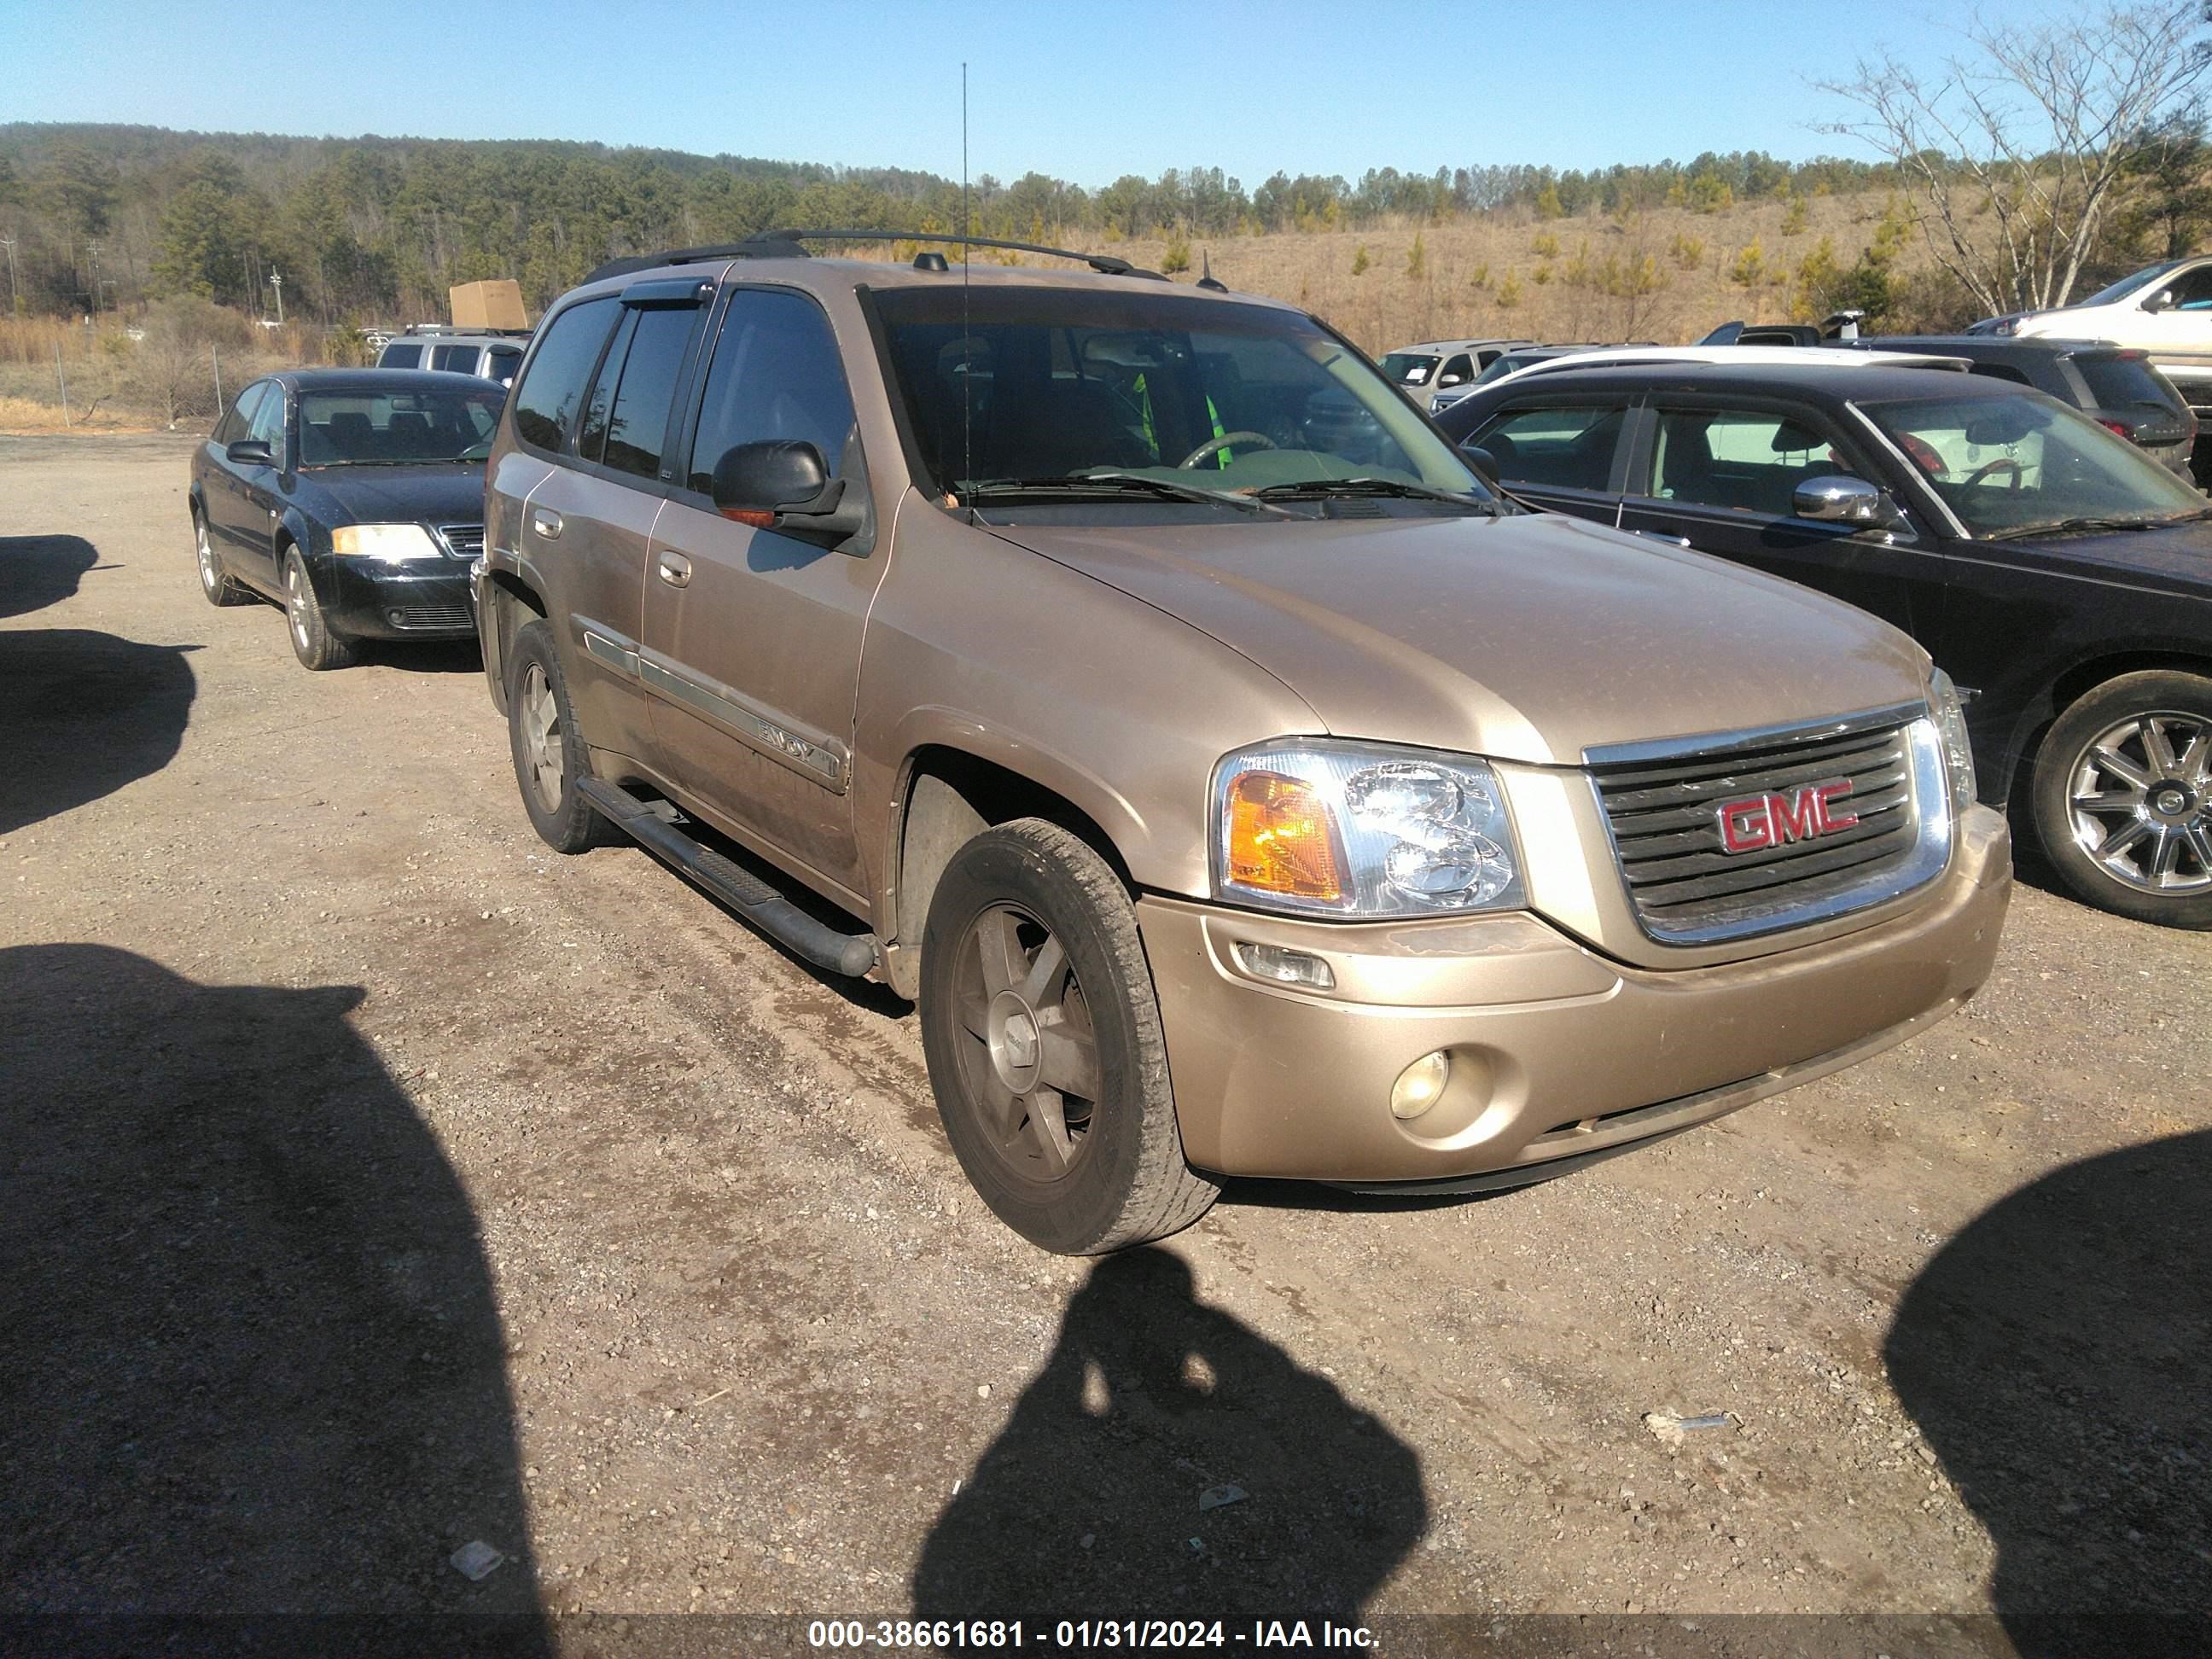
1239, 787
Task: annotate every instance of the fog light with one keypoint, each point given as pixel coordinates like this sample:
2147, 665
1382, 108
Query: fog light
1284, 966
1421, 1086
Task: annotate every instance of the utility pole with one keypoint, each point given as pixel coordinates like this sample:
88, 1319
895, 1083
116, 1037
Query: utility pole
15, 294
92, 250
277, 282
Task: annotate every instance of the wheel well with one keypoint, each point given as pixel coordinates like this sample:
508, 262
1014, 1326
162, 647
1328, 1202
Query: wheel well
953, 796
2087, 676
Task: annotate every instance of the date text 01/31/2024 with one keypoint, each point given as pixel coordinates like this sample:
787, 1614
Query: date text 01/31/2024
1080, 1635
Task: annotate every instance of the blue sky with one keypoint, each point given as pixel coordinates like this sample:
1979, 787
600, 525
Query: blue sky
1086, 93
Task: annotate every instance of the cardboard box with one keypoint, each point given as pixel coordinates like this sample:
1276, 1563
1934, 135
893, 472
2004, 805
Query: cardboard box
488, 305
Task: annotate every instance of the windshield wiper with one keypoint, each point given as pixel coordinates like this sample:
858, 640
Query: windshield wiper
2063, 526
1111, 484
1321, 489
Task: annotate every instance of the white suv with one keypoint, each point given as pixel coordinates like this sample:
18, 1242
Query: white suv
2164, 309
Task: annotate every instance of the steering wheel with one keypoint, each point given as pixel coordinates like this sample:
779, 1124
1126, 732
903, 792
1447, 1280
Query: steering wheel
1226, 441
2004, 463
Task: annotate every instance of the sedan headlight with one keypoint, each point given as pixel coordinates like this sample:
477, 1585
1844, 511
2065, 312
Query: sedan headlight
1950, 715
394, 544
1359, 829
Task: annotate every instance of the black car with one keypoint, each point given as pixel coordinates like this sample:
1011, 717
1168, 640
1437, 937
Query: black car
2116, 386
352, 497
2063, 579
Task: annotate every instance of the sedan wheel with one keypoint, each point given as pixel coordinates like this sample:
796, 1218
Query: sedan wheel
2142, 800
2122, 790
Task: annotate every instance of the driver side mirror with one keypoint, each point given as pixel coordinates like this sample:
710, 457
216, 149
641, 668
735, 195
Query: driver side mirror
784, 485
1838, 499
249, 452
1484, 463
2162, 301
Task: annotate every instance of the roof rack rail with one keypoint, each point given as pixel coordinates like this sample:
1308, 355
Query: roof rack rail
785, 245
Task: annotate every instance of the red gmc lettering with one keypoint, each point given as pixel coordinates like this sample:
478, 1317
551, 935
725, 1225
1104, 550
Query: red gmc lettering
1761, 821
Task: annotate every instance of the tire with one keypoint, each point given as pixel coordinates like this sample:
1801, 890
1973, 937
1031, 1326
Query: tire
543, 738
2123, 797
216, 586
1032, 973
313, 642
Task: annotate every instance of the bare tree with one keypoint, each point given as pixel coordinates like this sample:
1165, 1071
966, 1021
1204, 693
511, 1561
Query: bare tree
2037, 127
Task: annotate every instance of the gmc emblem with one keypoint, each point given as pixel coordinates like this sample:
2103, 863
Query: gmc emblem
1758, 821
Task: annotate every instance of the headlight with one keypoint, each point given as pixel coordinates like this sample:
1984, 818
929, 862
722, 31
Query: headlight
1950, 714
394, 544
1358, 829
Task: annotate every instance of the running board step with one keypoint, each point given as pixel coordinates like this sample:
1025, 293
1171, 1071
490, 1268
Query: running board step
852, 954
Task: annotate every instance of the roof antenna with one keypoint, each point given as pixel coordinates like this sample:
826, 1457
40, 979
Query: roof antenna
966, 337
1209, 280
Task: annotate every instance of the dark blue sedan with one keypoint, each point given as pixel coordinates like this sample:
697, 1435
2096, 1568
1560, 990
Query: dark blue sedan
354, 498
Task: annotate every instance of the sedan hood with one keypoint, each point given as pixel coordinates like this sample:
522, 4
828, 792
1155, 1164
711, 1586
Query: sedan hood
446, 493
1529, 638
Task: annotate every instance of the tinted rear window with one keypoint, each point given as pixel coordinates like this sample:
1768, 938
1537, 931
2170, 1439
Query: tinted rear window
2123, 382
455, 358
546, 400
401, 357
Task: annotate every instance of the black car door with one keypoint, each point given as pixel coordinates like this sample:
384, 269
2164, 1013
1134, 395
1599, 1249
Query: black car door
1722, 474
222, 487
254, 540
1561, 451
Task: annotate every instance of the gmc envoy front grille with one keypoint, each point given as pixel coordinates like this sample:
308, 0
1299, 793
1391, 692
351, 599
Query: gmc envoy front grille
1722, 837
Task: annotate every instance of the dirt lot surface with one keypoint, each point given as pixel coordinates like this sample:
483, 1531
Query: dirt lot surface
381, 1182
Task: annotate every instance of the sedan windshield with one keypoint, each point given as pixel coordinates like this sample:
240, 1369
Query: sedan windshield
2012, 466
364, 428
2127, 285
1169, 400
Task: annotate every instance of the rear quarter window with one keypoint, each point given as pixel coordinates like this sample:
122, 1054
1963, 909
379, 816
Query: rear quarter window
401, 357
553, 385
2123, 382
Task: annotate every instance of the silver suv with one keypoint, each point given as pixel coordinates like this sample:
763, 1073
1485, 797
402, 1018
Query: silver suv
488, 353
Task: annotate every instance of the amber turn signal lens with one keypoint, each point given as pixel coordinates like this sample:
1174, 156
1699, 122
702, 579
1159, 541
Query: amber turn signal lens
1280, 839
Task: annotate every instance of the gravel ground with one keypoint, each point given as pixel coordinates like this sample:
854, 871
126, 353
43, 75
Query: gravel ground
382, 1182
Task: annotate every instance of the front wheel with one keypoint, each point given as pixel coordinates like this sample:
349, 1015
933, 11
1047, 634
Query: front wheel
1045, 1050
313, 642
2122, 796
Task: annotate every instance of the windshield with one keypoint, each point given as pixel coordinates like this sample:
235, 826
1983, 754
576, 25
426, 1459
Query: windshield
2127, 285
395, 428
1171, 388
1409, 368
2006, 465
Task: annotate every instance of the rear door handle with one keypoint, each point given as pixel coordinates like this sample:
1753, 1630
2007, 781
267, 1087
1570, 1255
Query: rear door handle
546, 522
675, 569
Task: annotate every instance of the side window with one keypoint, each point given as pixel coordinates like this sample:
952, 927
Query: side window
1568, 448
240, 420
267, 424
2192, 289
592, 430
1457, 371
546, 400
639, 424
455, 358
504, 362
2003, 372
776, 374
401, 357
1741, 460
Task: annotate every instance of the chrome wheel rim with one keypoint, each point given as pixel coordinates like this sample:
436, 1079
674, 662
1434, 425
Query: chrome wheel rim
210, 578
296, 603
1028, 1054
2140, 795
544, 759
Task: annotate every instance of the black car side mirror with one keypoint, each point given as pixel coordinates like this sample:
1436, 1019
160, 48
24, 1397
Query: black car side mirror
249, 452
783, 484
1484, 463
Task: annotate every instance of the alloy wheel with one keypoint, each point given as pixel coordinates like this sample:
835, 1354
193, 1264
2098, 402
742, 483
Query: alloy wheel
2140, 794
543, 753
297, 602
1029, 1057
210, 578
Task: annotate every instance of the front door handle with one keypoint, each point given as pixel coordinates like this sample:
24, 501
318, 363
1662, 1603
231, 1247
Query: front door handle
546, 522
675, 569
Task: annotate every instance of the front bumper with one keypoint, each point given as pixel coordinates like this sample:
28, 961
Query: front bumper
1557, 1052
420, 599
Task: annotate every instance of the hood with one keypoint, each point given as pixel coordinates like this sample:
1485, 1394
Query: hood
1529, 638
440, 494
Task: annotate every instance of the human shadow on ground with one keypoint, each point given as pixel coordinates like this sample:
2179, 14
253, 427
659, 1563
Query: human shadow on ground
82, 714
254, 1363
1088, 1503
2058, 1357
37, 571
